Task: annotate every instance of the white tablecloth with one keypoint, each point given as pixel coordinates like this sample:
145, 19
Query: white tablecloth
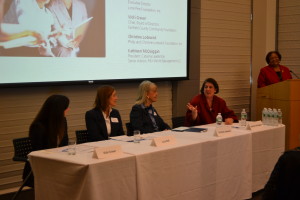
198, 166
59, 176
267, 145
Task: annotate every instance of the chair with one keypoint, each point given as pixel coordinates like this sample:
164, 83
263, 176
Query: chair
22, 147
81, 136
178, 121
129, 129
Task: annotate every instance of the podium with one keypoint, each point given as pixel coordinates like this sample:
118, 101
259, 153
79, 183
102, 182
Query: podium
286, 96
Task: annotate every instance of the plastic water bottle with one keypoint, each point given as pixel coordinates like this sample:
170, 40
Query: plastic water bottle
275, 117
279, 117
270, 117
219, 119
264, 116
267, 117
243, 117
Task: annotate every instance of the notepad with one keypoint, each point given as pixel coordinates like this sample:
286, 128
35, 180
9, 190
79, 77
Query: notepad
81, 28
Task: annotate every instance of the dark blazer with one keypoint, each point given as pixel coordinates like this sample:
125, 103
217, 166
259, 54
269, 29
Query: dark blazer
284, 180
39, 141
96, 127
140, 120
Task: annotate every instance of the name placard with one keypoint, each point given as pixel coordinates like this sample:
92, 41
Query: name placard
223, 131
107, 152
254, 126
163, 141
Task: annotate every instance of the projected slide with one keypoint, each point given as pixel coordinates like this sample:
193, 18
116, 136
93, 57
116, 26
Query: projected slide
91, 40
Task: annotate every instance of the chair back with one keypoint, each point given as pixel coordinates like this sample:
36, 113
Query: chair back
129, 129
178, 121
22, 147
81, 136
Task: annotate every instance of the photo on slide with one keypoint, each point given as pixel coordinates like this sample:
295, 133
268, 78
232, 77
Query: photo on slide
53, 28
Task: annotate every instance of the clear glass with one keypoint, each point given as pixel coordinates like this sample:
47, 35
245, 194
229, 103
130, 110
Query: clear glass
279, 117
136, 136
72, 147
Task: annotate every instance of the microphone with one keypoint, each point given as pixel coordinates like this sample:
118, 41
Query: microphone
294, 74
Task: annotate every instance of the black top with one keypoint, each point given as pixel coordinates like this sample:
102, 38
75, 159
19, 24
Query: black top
39, 140
279, 75
96, 126
38, 137
285, 177
140, 120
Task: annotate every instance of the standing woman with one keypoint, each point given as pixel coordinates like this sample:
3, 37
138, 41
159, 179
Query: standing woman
204, 107
273, 72
103, 121
143, 116
49, 128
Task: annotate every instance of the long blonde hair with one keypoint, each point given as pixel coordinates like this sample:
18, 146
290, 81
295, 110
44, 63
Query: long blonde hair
144, 88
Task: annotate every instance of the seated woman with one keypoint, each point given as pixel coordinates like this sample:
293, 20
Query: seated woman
274, 72
143, 116
204, 108
103, 121
49, 128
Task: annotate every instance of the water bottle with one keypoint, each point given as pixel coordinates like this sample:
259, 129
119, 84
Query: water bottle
267, 116
264, 116
219, 119
271, 117
279, 117
243, 117
275, 117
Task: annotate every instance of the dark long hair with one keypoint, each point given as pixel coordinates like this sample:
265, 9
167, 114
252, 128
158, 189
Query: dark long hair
52, 117
103, 94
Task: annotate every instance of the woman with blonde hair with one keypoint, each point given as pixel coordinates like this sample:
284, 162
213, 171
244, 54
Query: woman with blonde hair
143, 116
103, 121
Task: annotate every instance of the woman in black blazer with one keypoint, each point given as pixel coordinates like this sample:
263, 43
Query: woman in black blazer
49, 128
103, 121
143, 116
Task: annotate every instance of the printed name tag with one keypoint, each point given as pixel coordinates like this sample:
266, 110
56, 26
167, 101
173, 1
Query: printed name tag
114, 120
223, 131
254, 125
163, 141
107, 152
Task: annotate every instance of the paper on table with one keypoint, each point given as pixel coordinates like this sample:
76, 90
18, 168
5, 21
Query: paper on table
190, 129
181, 128
79, 149
126, 138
